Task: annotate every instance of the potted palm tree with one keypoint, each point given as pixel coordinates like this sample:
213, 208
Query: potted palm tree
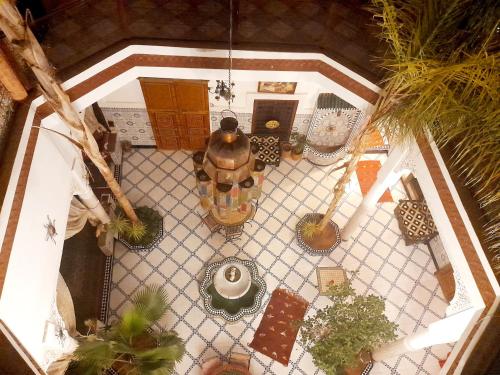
441, 79
341, 336
17, 31
139, 236
131, 345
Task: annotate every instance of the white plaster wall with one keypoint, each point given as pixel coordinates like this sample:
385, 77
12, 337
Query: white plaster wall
34, 264
130, 95
127, 96
33, 269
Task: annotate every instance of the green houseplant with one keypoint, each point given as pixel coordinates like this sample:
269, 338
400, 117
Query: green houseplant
140, 235
130, 345
298, 144
339, 333
441, 78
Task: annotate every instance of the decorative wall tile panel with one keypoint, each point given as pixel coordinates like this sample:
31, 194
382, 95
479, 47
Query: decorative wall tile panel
133, 125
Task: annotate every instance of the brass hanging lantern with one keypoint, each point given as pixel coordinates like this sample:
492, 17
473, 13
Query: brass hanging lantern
228, 176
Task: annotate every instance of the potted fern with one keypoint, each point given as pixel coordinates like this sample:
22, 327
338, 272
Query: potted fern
130, 345
340, 337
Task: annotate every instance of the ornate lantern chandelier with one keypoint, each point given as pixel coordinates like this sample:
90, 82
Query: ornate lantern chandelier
228, 176
223, 89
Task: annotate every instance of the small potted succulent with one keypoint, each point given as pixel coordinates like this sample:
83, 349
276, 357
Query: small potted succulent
299, 143
340, 337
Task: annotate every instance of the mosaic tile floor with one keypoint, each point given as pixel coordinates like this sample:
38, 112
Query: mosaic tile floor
384, 265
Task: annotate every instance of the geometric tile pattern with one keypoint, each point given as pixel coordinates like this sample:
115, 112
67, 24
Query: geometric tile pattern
269, 148
133, 125
415, 221
404, 275
340, 29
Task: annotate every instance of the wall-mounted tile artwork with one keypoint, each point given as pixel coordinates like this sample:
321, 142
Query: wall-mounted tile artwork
277, 87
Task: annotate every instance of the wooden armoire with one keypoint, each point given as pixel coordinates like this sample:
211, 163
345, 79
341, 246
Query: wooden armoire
178, 111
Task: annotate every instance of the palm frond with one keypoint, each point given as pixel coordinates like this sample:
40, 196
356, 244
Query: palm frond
130, 343
94, 356
151, 302
443, 79
132, 324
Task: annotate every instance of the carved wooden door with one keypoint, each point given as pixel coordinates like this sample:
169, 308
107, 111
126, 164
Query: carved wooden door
178, 110
166, 130
282, 111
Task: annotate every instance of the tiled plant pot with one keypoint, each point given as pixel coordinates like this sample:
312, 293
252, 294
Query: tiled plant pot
155, 237
324, 243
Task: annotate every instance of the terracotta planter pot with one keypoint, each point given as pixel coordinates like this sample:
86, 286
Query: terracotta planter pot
286, 151
296, 156
364, 359
321, 243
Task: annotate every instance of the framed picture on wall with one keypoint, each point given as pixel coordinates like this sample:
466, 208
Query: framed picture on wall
277, 87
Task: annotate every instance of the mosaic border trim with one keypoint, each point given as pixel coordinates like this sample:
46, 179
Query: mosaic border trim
106, 290
207, 298
304, 245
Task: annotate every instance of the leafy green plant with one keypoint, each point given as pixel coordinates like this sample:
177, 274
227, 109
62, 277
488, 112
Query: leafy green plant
119, 224
310, 229
141, 233
137, 231
299, 142
130, 345
337, 334
441, 78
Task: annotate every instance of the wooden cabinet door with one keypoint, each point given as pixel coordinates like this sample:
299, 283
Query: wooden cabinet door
194, 131
165, 129
159, 94
191, 96
178, 110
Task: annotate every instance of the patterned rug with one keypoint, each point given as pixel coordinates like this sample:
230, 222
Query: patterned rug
269, 148
367, 174
276, 333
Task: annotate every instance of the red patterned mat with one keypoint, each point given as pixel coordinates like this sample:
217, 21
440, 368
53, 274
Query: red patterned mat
277, 330
367, 174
